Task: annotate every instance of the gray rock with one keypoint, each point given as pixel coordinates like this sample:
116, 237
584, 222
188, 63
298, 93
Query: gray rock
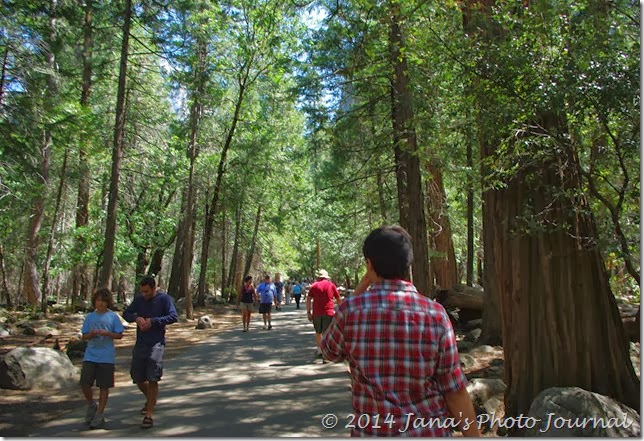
83, 306
483, 389
464, 346
76, 349
45, 331
118, 307
467, 361
474, 334
575, 412
28, 368
204, 323
26, 328
4, 332
484, 349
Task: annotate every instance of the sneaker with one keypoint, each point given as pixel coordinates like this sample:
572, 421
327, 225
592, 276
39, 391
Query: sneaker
245, 330
270, 326
264, 327
91, 412
98, 422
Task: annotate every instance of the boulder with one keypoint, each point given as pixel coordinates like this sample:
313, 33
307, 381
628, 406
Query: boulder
575, 412
28, 368
118, 307
4, 332
484, 349
76, 348
467, 361
26, 328
464, 346
483, 389
204, 323
474, 334
45, 331
472, 324
83, 306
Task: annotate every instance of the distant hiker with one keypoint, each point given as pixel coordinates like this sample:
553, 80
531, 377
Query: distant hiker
322, 294
151, 311
400, 346
296, 291
279, 288
266, 291
246, 300
288, 291
100, 329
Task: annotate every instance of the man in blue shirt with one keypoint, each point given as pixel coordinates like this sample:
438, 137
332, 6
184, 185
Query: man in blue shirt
266, 292
279, 287
151, 311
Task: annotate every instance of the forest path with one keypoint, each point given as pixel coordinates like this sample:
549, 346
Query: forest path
262, 383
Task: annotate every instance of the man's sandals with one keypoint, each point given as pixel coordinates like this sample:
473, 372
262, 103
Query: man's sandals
147, 422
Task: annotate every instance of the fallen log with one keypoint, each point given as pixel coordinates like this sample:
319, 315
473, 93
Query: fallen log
464, 297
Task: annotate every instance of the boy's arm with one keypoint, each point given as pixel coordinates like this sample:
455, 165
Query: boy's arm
461, 409
332, 342
451, 381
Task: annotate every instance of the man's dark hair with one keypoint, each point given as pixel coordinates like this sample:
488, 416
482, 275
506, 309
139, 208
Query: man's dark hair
267, 277
105, 295
390, 251
247, 278
148, 281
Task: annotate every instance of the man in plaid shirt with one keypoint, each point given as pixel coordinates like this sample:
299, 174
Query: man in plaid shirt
405, 372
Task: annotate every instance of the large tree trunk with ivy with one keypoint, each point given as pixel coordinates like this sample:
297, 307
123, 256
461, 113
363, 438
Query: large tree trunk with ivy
105, 276
408, 174
230, 282
443, 258
4, 288
176, 273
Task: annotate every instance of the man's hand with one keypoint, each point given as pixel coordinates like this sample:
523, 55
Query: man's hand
103, 332
309, 315
143, 323
94, 333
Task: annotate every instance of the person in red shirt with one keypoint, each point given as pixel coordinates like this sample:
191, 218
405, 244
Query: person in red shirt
322, 294
406, 379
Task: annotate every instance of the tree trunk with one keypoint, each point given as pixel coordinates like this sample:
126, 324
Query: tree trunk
234, 257
210, 215
141, 263
253, 243
443, 258
223, 249
410, 191
174, 285
3, 74
105, 276
4, 289
469, 272
50, 244
31, 288
80, 285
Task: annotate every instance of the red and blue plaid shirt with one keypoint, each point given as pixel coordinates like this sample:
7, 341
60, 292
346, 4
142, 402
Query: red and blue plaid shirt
402, 352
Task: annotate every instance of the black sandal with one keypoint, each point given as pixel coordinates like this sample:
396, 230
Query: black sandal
144, 410
147, 422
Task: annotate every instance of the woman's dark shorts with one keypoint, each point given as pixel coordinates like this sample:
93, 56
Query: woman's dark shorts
101, 373
147, 363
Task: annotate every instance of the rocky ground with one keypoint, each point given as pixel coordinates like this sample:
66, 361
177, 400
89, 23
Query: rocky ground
21, 409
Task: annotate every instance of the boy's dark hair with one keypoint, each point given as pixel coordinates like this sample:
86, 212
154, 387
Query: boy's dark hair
390, 251
247, 278
267, 277
104, 295
148, 281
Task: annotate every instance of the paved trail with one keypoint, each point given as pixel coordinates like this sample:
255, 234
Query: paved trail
256, 384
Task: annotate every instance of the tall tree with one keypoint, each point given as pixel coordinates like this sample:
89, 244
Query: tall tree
411, 200
105, 276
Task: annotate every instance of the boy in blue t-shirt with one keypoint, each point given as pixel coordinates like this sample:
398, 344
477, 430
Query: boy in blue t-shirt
266, 292
100, 328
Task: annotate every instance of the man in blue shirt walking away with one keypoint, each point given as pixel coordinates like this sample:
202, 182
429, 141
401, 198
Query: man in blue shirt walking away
266, 291
151, 311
